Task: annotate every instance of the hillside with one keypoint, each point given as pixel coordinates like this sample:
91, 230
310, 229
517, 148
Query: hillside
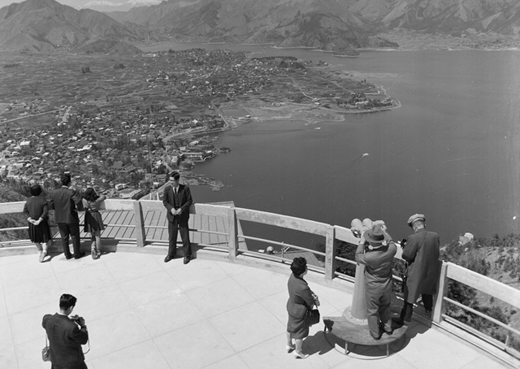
329, 23
497, 258
47, 26
340, 26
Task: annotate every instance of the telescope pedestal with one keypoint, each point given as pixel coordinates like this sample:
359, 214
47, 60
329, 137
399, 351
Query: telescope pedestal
351, 328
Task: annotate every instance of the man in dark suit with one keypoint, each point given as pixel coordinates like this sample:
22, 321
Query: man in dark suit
177, 200
66, 202
66, 335
421, 252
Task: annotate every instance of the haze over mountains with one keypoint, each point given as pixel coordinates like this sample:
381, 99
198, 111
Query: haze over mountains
46, 25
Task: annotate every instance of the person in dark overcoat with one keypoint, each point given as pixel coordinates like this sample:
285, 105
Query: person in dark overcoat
66, 202
301, 299
177, 201
66, 335
36, 209
421, 252
376, 251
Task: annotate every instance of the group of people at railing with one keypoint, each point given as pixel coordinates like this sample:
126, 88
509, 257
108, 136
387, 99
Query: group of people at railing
376, 251
66, 201
421, 251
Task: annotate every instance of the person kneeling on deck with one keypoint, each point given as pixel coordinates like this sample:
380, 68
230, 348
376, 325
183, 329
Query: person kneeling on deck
376, 251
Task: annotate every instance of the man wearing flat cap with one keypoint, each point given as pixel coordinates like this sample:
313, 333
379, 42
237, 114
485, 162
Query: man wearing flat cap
376, 251
66, 201
177, 201
421, 252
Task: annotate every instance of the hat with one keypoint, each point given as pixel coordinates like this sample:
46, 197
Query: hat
375, 236
414, 218
175, 175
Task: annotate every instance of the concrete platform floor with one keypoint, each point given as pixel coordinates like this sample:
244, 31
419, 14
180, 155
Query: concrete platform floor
142, 313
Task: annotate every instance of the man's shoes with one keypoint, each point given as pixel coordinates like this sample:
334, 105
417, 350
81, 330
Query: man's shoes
79, 256
386, 329
375, 338
429, 312
300, 355
398, 322
187, 259
168, 258
68, 257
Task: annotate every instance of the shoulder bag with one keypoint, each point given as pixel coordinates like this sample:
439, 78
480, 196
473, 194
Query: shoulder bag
312, 316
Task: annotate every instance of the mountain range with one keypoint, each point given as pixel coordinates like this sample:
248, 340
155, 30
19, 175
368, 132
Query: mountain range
108, 6
46, 25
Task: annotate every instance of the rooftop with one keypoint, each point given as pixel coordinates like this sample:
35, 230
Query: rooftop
142, 313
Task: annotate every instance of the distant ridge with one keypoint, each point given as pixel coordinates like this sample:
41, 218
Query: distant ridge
325, 23
47, 26
340, 26
107, 6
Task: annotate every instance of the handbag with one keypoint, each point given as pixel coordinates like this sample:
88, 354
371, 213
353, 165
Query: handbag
312, 316
46, 351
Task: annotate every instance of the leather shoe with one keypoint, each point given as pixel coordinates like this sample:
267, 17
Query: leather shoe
68, 257
300, 355
187, 259
385, 329
168, 258
398, 323
375, 338
81, 254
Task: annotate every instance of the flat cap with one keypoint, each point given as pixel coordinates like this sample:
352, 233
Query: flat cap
414, 218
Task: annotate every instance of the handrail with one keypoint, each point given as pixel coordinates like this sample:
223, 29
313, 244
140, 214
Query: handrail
231, 217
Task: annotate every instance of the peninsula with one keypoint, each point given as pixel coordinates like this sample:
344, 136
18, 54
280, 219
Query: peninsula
119, 123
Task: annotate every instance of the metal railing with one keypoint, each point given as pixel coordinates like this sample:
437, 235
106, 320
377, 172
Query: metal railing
232, 216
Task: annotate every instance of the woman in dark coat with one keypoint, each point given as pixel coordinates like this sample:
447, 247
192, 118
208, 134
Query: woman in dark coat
36, 209
93, 220
301, 299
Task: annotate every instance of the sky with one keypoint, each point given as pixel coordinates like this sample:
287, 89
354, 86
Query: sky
74, 3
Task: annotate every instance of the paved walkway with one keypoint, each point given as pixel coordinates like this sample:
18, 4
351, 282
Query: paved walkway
142, 313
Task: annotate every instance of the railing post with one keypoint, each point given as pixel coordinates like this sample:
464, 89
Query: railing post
232, 233
140, 233
439, 306
330, 253
508, 337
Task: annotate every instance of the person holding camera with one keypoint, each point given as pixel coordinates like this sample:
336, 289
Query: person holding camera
421, 251
66, 334
376, 251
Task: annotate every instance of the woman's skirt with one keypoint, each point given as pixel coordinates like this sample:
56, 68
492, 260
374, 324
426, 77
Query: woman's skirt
296, 324
93, 221
40, 233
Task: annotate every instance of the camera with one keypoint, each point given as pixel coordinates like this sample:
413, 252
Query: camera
403, 243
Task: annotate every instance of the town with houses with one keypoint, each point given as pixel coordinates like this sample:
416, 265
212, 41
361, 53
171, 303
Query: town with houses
120, 123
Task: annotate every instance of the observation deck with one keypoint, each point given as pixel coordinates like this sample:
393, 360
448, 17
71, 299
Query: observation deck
226, 309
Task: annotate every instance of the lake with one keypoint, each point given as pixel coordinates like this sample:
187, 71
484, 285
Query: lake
451, 151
